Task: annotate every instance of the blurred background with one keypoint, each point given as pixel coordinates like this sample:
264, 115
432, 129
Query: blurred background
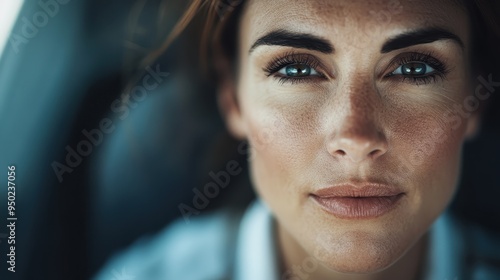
96, 171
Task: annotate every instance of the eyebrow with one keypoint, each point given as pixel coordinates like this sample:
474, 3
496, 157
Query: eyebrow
421, 36
295, 40
315, 43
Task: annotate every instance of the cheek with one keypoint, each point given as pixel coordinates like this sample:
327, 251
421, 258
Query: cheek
428, 141
283, 134
428, 145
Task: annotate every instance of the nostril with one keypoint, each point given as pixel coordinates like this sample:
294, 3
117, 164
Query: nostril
375, 153
357, 146
340, 152
357, 151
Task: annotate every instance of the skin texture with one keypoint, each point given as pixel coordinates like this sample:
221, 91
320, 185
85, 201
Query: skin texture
353, 124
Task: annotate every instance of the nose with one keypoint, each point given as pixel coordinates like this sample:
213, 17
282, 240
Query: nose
355, 134
357, 145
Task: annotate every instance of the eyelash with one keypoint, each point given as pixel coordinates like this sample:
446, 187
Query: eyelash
440, 69
290, 59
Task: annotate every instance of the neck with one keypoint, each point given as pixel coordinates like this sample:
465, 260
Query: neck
294, 262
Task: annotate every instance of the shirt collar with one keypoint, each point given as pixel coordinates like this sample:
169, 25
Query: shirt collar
256, 250
446, 252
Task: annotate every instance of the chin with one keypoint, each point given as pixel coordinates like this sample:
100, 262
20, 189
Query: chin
359, 254
359, 266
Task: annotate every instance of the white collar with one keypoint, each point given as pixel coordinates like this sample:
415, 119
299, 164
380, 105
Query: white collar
446, 253
255, 249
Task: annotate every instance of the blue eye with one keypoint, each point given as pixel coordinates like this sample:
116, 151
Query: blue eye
418, 68
294, 68
298, 70
414, 69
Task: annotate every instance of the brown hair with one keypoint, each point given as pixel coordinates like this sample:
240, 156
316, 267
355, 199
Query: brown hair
220, 22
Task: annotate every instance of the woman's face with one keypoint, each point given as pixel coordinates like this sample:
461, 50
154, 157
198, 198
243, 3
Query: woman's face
353, 94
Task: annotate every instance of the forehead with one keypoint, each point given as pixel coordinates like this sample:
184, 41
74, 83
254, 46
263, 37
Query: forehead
352, 21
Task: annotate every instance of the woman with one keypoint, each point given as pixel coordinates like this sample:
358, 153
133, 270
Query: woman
356, 113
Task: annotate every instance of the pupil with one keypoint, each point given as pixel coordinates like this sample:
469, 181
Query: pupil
415, 68
298, 70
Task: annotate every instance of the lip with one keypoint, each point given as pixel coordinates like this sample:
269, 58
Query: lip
362, 201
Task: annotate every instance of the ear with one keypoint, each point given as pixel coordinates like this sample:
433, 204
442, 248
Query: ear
229, 107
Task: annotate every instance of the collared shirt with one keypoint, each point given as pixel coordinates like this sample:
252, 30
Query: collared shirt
222, 246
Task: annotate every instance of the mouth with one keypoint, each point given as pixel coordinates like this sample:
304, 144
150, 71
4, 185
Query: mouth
349, 201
